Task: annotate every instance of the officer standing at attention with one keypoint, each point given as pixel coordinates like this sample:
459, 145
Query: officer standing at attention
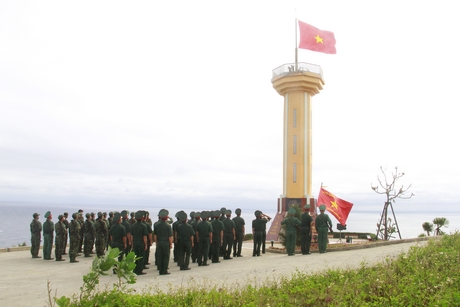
35, 235
305, 231
162, 234
239, 233
74, 236
322, 224
184, 237
139, 232
292, 223
203, 237
60, 229
48, 234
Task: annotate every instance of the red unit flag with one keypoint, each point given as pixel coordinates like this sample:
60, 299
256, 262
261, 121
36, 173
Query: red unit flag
314, 39
339, 208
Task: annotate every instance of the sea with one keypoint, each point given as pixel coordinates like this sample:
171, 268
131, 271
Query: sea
15, 218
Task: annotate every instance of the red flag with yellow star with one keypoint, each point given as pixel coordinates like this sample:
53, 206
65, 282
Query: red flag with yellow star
339, 208
314, 39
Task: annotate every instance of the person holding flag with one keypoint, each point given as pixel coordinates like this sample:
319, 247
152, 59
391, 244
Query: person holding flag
322, 224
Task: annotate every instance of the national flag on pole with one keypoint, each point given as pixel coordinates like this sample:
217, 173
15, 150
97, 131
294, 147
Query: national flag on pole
339, 208
314, 39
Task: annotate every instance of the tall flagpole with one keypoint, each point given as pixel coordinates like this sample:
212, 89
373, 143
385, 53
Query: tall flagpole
296, 43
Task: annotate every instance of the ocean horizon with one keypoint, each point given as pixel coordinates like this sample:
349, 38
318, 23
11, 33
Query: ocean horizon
16, 217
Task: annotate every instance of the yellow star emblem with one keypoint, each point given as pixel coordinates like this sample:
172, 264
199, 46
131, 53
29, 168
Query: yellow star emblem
334, 205
319, 39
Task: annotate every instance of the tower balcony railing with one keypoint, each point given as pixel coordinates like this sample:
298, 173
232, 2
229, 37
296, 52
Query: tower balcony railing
296, 69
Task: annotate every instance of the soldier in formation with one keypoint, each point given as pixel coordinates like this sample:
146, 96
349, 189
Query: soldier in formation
185, 240
118, 235
90, 235
239, 233
48, 234
60, 243
163, 238
74, 236
35, 235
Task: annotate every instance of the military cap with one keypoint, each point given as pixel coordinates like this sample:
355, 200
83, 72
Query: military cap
74, 215
66, 213
204, 214
307, 206
177, 214
163, 214
223, 210
87, 215
80, 210
124, 213
60, 217
228, 212
192, 214
322, 207
111, 213
291, 211
104, 214
47, 214
258, 213
99, 214
93, 214
182, 216
238, 211
132, 213
139, 215
35, 214
215, 213
116, 217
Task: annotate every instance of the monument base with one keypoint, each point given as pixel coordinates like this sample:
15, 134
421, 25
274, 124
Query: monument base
283, 206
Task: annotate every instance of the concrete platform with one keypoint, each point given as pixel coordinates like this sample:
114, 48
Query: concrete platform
23, 280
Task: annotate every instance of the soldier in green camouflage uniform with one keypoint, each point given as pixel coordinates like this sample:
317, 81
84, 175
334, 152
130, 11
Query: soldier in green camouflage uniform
74, 235
66, 239
101, 235
81, 221
48, 234
90, 234
60, 230
35, 235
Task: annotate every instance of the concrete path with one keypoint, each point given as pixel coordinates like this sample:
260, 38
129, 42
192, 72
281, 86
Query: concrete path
23, 280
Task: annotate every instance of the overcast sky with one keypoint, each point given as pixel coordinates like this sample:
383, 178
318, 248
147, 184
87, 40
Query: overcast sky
170, 102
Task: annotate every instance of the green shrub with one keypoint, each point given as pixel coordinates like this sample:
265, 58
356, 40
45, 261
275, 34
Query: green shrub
424, 276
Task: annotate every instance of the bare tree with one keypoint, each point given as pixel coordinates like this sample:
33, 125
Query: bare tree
388, 185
